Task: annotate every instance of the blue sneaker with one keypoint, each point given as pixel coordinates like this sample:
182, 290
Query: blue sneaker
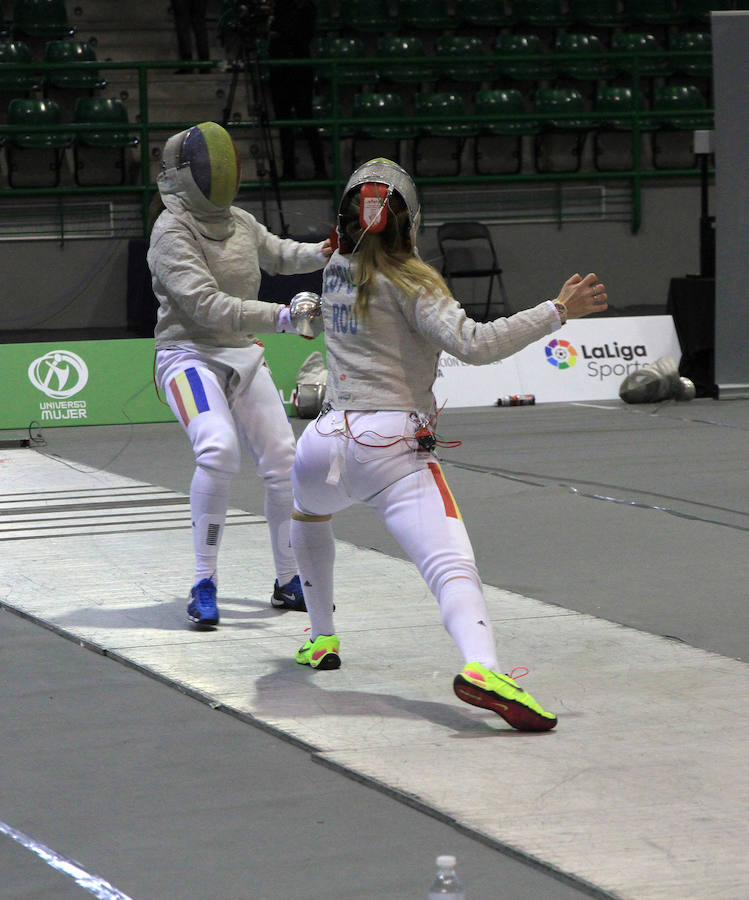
290, 596
202, 609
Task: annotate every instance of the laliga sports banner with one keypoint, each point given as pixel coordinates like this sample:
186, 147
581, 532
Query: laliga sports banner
111, 382
586, 360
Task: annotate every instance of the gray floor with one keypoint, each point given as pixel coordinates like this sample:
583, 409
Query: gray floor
631, 514
164, 797
647, 506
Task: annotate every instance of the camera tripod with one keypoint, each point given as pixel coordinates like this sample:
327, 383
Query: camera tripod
261, 145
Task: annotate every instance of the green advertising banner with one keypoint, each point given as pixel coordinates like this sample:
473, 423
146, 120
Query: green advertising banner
111, 382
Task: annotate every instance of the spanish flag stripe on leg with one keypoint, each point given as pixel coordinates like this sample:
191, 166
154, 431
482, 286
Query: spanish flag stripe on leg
451, 507
178, 400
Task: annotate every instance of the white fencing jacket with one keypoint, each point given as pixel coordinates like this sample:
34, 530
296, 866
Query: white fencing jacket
387, 360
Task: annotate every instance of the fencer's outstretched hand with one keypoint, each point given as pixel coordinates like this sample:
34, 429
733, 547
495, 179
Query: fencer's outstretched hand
327, 249
582, 296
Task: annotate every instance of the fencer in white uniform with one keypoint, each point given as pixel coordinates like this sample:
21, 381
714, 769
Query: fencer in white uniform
387, 317
205, 257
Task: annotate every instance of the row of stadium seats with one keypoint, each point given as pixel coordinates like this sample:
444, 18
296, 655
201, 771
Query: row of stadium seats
467, 58
58, 52
557, 124
49, 18
35, 149
404, 59
33, 20
438, 15
457, 60
547, 21
498, 119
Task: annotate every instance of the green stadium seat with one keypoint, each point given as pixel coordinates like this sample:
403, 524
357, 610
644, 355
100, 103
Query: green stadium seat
498, 147
680, 107
679, 111
322, 108
35, 157
589, 60
439, 145
17, 82
567, 102
598, 13
398, 56
541, 13
345, 51
485, 13
107, 111
368, 15
426, 15
47, 19
654, 12
618, 103
100, 157
696, 43
559, 144
632, 42
373, 139
447, 106
385, 106
449, 48
79, 78
505, 102
613, 140
37, 113
518, 47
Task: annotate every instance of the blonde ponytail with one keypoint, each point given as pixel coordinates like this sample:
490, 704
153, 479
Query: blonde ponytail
390, 254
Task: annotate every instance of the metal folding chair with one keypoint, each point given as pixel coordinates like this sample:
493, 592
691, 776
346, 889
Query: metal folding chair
468, 251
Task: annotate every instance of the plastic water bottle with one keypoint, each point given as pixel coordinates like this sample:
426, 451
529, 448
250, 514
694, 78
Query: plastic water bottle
517, 400
446, 884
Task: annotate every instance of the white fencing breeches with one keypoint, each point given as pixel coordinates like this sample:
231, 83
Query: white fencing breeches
407, 490
221, 424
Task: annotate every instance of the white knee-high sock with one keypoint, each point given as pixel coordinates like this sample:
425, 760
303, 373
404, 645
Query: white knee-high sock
466, 618
314, 546
278, 505
209, 500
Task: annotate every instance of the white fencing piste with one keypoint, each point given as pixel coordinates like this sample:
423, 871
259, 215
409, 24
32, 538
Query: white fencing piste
641, 790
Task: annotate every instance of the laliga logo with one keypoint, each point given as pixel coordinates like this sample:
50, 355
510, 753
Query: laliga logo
59, 374
560, 354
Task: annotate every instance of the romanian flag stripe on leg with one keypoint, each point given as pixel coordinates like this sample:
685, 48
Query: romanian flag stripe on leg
451, 507
189, 395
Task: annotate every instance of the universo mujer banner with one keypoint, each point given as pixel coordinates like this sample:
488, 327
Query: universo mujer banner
111, 382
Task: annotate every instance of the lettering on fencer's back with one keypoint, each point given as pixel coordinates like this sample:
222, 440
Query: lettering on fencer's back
338, 280
344, 318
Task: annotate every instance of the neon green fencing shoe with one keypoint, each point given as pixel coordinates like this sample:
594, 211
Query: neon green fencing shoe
322, 653
480, 686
